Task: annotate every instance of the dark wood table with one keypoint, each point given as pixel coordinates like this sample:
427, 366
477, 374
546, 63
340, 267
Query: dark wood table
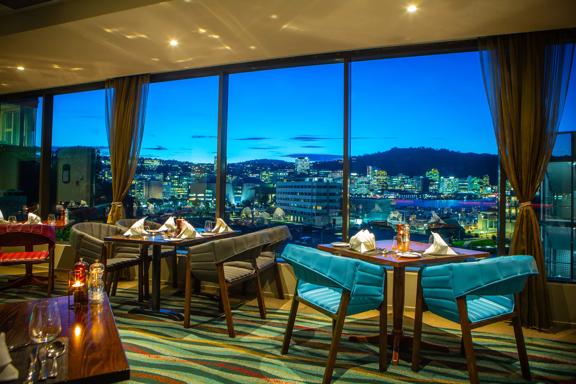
157, 242
384, 255
94, 350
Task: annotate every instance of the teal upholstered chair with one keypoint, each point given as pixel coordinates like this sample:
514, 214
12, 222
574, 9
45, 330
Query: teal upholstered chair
336, 286
474, 294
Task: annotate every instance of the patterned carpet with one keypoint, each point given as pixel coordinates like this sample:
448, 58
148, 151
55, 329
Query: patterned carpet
162, 351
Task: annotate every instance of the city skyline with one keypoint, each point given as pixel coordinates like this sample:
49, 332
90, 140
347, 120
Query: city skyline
435, 101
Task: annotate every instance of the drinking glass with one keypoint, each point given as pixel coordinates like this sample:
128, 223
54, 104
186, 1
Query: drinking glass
12, 219
51, 219
45, 324
209, 225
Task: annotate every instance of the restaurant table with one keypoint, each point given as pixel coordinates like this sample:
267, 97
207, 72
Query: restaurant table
157, 242
94, 352
384, 255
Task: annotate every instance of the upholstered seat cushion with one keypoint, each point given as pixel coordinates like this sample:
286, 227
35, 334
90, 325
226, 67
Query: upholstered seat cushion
329, 298
16, 257
234, 273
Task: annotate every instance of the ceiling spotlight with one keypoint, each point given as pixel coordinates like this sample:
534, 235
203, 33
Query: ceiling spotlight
274, 16
412, 8
252, 47
201, 30
173, 42
20, 68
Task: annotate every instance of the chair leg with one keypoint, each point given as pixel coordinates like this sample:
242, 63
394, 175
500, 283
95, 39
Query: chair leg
108, 277
115, 282
225, 300
51, 274
278, 278
417, 338
140, 281
147, 277
522, 355
197, 286
341, 315
291, 320
467, 339
188, 295
383, 335
260, 296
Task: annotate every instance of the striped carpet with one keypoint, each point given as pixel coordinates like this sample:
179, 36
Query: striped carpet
162, 351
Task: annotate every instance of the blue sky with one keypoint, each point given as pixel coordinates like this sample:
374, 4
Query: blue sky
435, 101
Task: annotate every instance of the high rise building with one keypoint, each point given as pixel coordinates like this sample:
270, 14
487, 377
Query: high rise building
302, 165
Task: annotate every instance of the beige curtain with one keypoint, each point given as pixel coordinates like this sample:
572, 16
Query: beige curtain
526, 78
125, 110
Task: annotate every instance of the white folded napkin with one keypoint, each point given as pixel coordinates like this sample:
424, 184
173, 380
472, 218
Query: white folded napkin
137, 229
188, 231
221, 227
7, 371
169, 225
439, 247
1, 215
363, 241
33, 219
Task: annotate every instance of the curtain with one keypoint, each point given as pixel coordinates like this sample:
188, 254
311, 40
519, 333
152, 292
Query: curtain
125, 110
526, 78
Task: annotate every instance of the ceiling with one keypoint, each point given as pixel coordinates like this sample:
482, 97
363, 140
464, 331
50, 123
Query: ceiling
65, 42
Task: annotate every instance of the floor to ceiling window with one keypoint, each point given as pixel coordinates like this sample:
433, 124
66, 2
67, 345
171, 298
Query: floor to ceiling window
285, 151
20, 142
81, 177
176, 170
423, 149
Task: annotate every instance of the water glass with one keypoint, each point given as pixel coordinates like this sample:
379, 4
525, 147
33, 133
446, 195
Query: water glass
45, 324
51, 219
12, 219
209, 225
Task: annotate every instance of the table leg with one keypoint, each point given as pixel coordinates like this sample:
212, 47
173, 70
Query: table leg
156, 310
398, 311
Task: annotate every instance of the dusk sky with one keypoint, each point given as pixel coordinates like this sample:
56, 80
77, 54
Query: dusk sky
434, 101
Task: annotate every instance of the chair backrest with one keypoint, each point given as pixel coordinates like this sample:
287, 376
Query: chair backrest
322, 268
498, 276
127, 223
277, 237
82, 237
205, 257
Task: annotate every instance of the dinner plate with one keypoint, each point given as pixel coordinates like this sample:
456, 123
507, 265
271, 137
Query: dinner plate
409, 255
340, 244
207, 233
172, 239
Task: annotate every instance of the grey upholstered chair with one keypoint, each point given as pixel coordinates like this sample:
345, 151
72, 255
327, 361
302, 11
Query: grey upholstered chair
166, 252
87, 241
212, 261
277, 237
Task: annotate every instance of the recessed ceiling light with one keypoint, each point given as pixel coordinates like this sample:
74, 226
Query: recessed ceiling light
173, 42
4, 84
201, 30
252, 47
214, 36
412, 8
20, 68
274, 16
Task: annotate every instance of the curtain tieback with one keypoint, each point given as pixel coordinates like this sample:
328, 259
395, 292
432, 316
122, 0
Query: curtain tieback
525, 204
117, 204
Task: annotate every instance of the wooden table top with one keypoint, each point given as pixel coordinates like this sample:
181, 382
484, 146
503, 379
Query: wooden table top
384, 255
159, 240
95, 353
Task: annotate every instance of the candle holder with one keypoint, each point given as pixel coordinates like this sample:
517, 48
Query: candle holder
77, 291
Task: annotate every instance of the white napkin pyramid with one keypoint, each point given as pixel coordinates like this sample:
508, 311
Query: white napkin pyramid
188, 231
137, 229
363, 241
1, 215
7, 371
221, 226
169, 225
2, 221
33, 219
439, 247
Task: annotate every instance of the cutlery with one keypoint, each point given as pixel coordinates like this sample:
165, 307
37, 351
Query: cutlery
15, 347
31, 375
55, 350
43, 364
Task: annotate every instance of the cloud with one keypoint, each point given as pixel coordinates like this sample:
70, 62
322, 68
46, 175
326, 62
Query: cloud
157, 148
313, 146
264, 147
203, 137
315, 156
257, 138
311, 138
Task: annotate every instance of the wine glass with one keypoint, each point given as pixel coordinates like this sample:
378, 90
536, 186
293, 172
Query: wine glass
51, 219
45, 324
12, 219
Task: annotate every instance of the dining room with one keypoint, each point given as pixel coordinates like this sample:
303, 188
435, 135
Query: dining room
288, 192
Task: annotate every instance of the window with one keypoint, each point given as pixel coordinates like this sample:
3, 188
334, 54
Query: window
423, 150
80, 156
20, 141
176, 170
285, 151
